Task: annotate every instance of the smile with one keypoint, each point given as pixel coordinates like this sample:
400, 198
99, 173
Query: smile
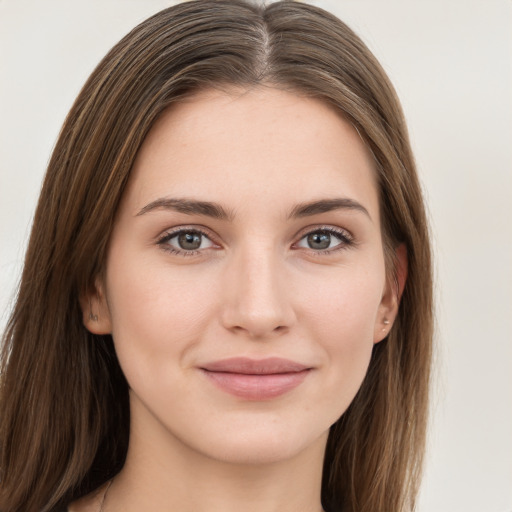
256, 379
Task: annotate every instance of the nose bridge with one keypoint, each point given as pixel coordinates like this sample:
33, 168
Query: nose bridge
257, 301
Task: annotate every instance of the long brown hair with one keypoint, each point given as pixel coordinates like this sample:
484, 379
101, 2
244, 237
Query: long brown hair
64, 401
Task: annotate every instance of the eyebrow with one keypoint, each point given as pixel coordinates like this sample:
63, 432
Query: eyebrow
216, 211
189, 207
327, 205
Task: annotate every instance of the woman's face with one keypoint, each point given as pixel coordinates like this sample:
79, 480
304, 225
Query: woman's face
245, 283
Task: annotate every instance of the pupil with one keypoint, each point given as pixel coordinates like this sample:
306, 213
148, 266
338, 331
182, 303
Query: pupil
319, 240
189, 241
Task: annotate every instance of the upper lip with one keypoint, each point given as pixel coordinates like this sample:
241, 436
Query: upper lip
248, 366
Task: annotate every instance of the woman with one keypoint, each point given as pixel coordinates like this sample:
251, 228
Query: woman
226, 302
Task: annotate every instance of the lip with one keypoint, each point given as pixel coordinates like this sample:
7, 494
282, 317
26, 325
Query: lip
256, 379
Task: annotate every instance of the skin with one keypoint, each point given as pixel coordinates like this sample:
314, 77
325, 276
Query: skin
255, 288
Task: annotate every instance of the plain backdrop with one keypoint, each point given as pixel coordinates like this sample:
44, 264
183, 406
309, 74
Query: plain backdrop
450, 61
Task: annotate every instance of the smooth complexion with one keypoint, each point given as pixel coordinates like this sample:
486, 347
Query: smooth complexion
248, 238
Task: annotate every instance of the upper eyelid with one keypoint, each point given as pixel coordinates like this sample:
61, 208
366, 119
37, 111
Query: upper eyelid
324, 227
180, 229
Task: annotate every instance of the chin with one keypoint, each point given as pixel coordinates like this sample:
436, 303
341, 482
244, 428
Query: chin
261, 445
259, 452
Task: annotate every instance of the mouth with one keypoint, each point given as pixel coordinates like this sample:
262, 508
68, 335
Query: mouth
256, 379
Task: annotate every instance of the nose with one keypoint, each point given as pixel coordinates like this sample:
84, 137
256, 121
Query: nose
257, 296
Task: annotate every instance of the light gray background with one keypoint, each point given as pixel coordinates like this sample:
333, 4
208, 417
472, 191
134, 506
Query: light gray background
450, 61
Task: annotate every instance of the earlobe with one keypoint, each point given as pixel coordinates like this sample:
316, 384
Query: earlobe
95, 311
388, 309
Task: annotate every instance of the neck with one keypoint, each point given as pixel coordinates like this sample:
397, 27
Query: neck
163, 473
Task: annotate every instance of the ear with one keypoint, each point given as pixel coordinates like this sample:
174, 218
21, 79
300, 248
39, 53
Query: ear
95, 310
388, 308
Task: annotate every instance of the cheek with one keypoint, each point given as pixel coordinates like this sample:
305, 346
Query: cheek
344, 303
156, 311
341, 316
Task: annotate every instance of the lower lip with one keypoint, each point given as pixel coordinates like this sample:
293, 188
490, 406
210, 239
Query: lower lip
256, 387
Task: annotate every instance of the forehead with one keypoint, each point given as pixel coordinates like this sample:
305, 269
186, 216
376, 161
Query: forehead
264, 145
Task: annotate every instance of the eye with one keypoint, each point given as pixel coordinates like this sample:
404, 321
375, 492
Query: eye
325, 240
185, 241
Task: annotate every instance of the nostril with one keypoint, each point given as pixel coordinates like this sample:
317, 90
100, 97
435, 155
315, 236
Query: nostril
249, 308
259, 332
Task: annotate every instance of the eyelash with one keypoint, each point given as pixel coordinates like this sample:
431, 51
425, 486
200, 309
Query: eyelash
169, 235
345, 238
